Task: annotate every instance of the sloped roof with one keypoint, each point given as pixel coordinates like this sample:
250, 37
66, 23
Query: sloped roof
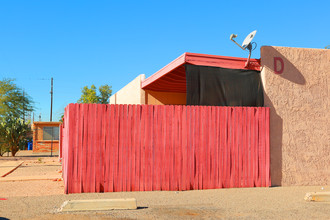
172, 77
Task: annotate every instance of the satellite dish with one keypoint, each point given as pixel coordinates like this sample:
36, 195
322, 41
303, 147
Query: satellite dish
246, 44
248, 39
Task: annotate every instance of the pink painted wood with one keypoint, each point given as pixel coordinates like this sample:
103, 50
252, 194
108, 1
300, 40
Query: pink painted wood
112, 148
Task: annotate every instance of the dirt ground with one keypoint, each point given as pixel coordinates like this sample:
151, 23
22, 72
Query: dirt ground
40, 199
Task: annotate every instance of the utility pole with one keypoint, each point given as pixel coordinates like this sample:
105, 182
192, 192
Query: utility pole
51, 99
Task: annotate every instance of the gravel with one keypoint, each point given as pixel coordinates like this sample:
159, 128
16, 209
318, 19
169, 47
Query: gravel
40, 199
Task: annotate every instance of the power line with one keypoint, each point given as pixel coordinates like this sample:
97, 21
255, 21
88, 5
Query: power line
26, 78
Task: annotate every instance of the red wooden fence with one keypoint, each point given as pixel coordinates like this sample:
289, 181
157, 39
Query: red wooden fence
111, 148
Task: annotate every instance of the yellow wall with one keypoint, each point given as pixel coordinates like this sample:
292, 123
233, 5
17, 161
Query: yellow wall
296, 84
131, 93
165, 98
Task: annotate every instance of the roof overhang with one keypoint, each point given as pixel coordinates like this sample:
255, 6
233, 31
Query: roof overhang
172, 77
47, 122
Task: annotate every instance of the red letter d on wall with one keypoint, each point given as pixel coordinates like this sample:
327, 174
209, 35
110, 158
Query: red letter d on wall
278, 65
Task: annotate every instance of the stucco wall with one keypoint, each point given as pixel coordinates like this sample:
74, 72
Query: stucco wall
296, 89
131, 93
165, 98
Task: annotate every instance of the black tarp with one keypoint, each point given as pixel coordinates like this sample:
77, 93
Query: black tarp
218, 86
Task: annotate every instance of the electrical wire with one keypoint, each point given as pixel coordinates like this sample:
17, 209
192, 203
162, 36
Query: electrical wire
255, 46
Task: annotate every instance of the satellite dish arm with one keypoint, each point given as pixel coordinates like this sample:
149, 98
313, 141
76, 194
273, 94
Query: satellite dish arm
231, 38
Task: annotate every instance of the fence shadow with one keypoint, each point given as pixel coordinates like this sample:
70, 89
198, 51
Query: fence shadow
276, 135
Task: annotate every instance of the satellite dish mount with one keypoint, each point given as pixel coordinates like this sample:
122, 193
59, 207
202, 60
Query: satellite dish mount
246, 44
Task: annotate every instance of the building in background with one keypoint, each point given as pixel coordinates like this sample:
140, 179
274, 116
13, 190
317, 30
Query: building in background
45, 136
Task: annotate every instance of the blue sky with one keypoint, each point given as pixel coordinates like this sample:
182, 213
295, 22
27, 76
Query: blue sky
81, 43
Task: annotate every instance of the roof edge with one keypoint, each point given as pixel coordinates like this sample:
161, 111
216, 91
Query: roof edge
163, 71
222, 61
203, 60
47, 122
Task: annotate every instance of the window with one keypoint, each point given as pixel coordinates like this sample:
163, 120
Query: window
48, 132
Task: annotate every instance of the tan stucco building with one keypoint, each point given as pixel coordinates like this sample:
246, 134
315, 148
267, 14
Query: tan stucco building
295, 82
296, 87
